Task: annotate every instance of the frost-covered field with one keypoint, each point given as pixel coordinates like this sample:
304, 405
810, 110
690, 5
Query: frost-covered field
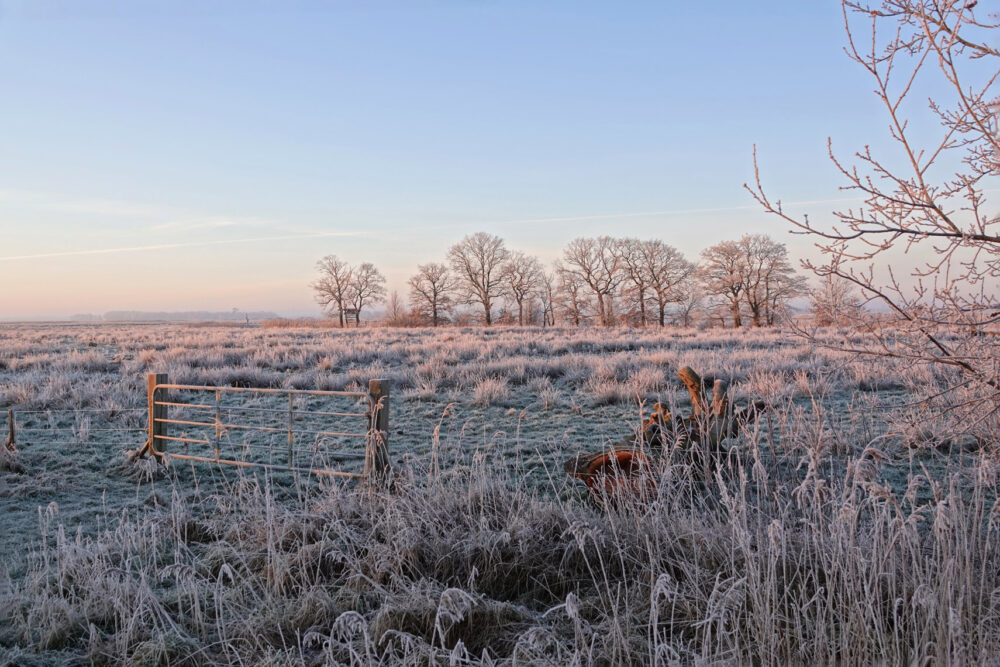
839, 531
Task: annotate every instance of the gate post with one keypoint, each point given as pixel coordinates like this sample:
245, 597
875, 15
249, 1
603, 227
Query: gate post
377, 465
157, 413
11, 443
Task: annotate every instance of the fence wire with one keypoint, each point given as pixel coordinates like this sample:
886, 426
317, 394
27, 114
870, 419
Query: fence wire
319, 432
298, 430
76, 426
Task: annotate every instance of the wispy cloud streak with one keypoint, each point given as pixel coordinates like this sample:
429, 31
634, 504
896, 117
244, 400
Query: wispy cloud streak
224, 222
167, 246
683, 211
622, 216
157, 218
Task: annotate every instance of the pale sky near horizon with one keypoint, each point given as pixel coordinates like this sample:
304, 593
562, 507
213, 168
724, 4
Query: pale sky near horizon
203, 156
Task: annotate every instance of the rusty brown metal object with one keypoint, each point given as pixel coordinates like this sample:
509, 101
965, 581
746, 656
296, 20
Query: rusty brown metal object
614, 476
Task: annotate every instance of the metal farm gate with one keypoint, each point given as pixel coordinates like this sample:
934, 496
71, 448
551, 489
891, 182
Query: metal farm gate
280, 429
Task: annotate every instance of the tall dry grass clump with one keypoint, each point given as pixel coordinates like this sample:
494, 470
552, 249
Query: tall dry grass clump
470, 567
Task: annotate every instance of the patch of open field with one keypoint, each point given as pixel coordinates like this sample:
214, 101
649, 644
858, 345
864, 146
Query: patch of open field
846, 526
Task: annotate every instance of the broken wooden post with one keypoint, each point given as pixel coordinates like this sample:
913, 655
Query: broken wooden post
720, 402
712, 423
701, 450
8, 453
698, 436
157, 414
377, 465
692, 381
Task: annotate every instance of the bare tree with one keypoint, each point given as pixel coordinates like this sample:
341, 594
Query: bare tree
572, 293
333, 287
547, 295
367, 286
769, 279
432, 290
637, 275
597, 262
834, 302
723, 273
688, 303
395, 309
523, 277
478, 262
780, 291
929, 197
669, 275
759, 253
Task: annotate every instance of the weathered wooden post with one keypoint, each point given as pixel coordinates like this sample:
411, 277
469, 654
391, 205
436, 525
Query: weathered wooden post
377, 465
291, 430
157, 413
11, 443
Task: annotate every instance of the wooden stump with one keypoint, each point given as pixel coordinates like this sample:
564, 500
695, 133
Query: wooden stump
627, 473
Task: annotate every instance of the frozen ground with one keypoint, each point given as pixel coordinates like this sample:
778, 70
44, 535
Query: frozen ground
505, 402
518, 397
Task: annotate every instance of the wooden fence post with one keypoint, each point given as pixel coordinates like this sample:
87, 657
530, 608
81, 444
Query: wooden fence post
11, 442
157, 413
377, 465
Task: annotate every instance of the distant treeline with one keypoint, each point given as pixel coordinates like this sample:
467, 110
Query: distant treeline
602, 280
181, 316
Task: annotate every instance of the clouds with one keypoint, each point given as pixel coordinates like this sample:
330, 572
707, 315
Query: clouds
67, 209
196, 224
55, 202
191, 244
199, 230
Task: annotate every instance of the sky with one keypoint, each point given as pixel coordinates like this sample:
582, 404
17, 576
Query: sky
203, 156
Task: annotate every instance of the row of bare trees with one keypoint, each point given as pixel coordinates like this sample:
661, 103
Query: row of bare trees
602, 279
642, 277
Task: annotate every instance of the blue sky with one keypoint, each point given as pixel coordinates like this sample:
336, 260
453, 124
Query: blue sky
169, 155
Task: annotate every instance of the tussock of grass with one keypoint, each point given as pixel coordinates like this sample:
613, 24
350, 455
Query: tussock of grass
9, 461
491, 391
487, 569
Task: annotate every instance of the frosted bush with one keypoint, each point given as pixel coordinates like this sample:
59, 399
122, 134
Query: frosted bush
604, 392
646, 380
491, 391
769, 385
547, 393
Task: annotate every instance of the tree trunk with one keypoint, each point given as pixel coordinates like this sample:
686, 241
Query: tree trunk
489, 317
737, 322
520, 313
